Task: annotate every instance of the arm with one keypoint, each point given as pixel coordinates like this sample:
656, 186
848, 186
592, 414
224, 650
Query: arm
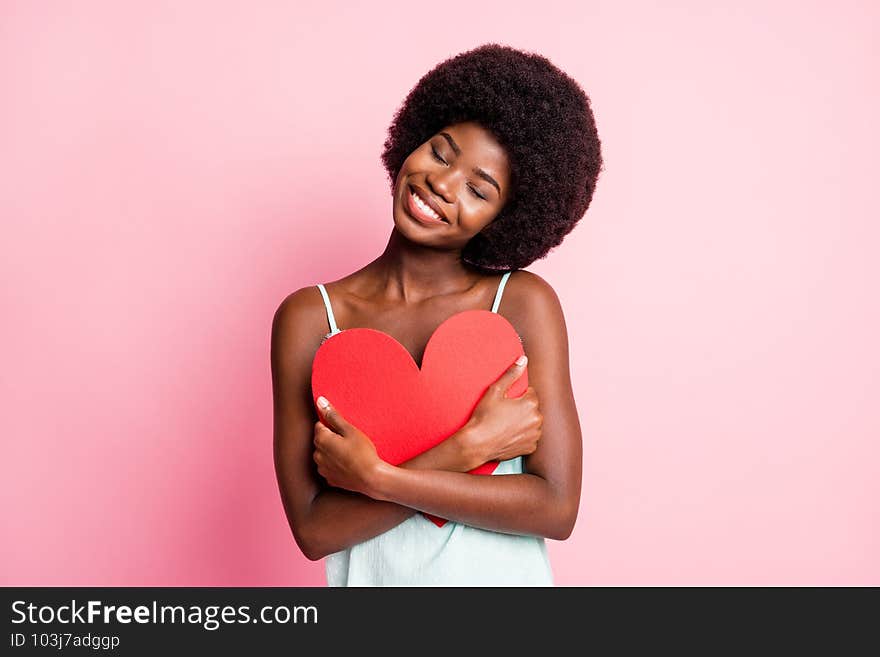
324, 519
542, 501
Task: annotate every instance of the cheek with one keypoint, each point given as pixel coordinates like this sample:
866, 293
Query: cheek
480, 216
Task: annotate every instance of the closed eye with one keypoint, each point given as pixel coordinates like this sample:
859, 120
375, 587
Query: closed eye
440, 159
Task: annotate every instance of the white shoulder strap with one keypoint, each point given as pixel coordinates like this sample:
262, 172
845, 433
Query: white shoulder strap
500, 291
330, 318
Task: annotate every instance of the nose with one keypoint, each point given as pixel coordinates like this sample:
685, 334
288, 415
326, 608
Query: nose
442, 183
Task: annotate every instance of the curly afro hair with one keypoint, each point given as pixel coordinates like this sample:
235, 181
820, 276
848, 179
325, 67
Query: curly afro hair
543, 119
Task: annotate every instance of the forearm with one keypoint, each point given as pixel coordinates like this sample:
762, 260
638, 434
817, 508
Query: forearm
515, 504
341, 518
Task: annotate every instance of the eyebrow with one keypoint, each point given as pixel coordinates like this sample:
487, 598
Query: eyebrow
477, 170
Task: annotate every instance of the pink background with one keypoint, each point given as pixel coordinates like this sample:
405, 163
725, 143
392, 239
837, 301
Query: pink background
170, 171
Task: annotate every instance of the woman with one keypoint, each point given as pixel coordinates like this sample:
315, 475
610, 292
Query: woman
492, 158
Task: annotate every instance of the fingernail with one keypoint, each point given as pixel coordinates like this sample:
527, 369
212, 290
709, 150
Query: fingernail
322, 402
522, 360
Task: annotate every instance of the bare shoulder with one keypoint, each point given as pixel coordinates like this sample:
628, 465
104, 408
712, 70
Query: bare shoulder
533, 301
304, 301
299, 323
529, 284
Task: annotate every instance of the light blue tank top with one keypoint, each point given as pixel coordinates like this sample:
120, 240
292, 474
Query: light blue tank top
419, 553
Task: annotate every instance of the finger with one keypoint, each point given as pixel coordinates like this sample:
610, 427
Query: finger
332, 418
532, 397
512, 374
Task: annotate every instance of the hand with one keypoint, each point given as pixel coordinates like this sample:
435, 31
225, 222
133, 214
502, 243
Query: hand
502, 427
345, 456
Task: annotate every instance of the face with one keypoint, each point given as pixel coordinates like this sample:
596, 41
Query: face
462, 174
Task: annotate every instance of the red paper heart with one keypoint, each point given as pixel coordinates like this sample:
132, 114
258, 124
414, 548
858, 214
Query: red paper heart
377, 386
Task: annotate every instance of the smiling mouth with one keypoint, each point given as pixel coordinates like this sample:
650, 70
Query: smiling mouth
421, 209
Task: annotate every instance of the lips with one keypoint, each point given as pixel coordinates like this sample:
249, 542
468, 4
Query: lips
428, 200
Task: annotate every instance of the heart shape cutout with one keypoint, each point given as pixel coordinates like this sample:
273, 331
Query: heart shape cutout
377, 386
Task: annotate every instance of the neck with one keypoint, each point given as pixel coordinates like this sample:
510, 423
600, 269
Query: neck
411, 272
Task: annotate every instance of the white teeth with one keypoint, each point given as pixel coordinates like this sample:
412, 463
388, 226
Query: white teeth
425, 208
